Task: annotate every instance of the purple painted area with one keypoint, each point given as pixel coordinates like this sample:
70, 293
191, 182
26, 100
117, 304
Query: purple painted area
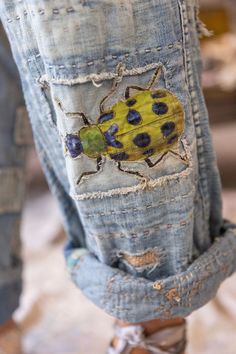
110, 136
160, 108
73, 145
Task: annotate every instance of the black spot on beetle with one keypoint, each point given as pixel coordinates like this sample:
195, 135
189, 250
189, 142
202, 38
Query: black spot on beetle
158, 94
120, 156
149, 152
105, 116
167, 128
173, 139
134, 117
131, 102
142, 140
160, 108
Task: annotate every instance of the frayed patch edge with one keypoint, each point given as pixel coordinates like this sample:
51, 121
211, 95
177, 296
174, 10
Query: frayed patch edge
95, 78
146, 184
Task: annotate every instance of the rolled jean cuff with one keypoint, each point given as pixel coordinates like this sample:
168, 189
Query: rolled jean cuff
10, 296
135, 299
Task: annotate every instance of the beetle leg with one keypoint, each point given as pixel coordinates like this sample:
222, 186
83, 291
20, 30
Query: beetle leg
73, 114
128, 88
155, 77
152, 164
131, 172
181, 158
99, 165
116, 81
175, 154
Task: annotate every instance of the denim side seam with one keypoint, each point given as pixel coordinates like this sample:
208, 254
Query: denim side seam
203, 191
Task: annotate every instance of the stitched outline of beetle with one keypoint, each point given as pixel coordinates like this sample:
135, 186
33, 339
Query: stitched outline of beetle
163, 121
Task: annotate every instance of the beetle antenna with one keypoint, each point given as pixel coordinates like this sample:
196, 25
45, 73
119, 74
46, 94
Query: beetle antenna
72, 114
118, 78
156, 77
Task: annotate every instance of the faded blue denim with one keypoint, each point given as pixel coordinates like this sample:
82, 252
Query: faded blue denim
13, 143
138, 250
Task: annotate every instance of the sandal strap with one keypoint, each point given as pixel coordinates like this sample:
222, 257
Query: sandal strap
168, 340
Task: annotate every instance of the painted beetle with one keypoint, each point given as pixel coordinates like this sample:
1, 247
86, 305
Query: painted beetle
143, 125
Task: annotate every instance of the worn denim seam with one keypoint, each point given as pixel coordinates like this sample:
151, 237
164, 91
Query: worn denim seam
146, 232
109, 57
139, 187
127, 211
95, 77
194, 106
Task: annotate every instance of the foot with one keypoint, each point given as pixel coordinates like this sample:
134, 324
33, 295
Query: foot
149, 337
10, 338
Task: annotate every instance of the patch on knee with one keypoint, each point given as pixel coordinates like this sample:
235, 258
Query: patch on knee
140, 128
23, 133
12, 189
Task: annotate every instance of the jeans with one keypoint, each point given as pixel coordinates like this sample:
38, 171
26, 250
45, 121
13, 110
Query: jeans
140, 200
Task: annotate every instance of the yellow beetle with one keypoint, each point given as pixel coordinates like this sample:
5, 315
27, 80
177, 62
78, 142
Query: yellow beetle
143, 125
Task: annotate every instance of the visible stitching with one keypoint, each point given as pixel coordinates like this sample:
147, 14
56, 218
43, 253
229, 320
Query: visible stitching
103, 59
98, 77
125, 190
193, 98
143, 233
41, 12
129, 210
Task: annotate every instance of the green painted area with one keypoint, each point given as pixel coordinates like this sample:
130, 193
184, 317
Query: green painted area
93, 141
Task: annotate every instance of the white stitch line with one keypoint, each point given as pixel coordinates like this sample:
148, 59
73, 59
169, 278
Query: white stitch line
109, 57
70, 9
78, 80
127, 211
147, 184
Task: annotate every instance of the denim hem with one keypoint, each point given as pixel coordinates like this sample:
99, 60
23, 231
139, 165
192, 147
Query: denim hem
137, 299
9, 299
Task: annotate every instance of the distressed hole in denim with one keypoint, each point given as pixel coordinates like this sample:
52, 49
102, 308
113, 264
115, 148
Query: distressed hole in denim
173, 295
142, 261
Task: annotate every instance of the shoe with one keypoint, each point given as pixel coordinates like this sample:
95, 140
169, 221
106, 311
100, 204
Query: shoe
10, 339
168, 340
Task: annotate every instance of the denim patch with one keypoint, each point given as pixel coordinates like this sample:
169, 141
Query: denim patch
12, 188
23, 131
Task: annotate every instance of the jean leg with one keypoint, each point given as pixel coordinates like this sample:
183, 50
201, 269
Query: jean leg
14, 136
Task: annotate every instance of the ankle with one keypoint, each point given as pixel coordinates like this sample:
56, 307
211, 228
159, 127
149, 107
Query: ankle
152, 326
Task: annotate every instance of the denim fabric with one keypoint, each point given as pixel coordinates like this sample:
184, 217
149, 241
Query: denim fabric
13, 143
138, 248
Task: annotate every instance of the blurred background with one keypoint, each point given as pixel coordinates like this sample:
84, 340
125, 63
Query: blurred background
55, 316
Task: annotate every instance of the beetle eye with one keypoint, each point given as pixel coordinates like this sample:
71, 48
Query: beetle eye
73, 145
